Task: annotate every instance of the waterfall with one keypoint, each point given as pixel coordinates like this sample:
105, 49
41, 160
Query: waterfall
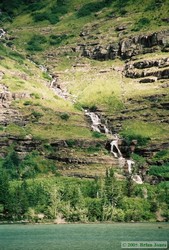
114, 145
137, 179
2, 33
95, 120
130, 164
96, 126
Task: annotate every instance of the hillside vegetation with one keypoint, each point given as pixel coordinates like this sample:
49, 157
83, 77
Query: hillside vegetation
57, 58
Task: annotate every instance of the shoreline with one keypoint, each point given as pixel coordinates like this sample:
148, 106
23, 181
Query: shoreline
79, 223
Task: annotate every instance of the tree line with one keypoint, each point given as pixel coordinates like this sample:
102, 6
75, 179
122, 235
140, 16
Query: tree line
26, 197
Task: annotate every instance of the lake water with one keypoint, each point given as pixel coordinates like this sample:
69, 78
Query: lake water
79, 236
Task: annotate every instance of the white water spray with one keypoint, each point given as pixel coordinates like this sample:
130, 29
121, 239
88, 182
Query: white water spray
96, 125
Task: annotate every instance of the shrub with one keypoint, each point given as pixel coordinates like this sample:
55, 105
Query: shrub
93, 108
57, 39
161, 171
51, 17
142, 22
35, 95
37, 115
141, 140
64, 116
35, 6
36, 42
96, 134
27, 103
70, 143
1, 128
162, 155
89, 8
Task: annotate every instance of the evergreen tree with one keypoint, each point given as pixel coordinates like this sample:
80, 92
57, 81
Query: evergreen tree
4, 191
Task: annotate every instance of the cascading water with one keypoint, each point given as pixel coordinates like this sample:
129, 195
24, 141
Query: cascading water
2, 33
96, 126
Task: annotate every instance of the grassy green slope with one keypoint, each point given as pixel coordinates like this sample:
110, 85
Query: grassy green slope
47, 31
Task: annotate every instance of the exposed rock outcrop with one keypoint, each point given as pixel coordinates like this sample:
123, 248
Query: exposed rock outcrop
127, 47
8, 113
158, 68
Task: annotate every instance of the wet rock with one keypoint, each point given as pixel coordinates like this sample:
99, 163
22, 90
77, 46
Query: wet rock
2, 33
127, 47
120, 28
147, 80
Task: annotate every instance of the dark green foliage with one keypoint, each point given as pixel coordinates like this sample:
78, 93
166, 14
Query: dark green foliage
12, 164
142, 22
38, 17
27, 103
154, 4
52, 18
90, 8
141, 140
93, 149
112, 191
1, 128
77, 200
64, 116
59, 9
58, 39
5, 51
129, 185
35, 6
9, 6
161, 171
136, 209
36, 115
93, 108
4, 17
96, 134
95, 209
162, 155
107, 2
121, 4
71, 143
4, 189
36, 42
29, 167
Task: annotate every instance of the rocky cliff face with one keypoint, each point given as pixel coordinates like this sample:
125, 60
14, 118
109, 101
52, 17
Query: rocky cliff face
9, 114
127, 47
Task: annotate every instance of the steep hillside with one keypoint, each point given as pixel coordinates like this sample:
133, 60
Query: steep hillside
84, 92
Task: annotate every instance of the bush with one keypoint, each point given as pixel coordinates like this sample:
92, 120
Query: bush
27, 103
89, 8
96, 134
59, 10
162, 155
136, 209
51, 17
36, 42
161, 171
64, 116
38, 17
37, 115
143, 22
35, 6
35, 95
141, 140
70, 143
58, 39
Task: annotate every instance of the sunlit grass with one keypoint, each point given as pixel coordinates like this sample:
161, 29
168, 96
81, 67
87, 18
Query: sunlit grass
146, 129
